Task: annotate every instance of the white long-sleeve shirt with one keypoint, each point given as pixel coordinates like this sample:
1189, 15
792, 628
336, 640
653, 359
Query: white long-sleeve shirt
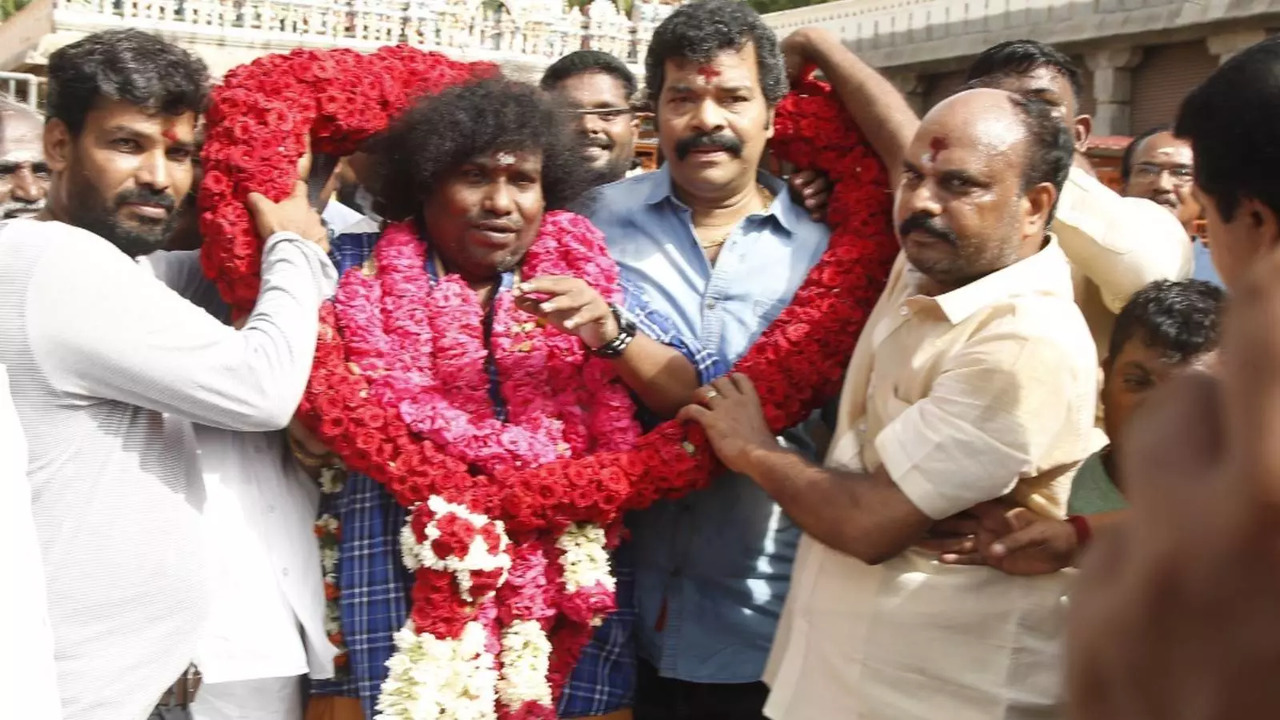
28, 681
108, 368
266, 592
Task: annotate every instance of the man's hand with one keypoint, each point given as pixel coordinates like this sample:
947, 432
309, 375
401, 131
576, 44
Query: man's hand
734, 420
799, 49
293, 214
1017, 541
956, 535
571, 305
813, 190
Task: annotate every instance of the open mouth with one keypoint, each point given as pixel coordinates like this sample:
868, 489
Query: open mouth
496, 233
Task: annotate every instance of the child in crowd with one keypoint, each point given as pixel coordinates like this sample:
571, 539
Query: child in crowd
1165, 327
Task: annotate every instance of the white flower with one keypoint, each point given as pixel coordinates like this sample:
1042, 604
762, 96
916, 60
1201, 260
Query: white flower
332, 479
433, 679
584, 558
526, 660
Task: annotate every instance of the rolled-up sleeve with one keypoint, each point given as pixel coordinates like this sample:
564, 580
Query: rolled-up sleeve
994, 414
658, 326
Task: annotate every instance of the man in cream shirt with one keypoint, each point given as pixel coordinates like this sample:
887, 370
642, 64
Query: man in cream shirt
1116, 245
974, 379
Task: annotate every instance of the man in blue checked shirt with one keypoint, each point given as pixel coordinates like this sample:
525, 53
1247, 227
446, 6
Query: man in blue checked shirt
479, 190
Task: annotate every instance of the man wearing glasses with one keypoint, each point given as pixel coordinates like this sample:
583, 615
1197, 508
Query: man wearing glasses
1158, 166
596, 89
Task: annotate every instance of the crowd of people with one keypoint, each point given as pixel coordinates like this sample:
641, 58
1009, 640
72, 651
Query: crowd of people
1050, 380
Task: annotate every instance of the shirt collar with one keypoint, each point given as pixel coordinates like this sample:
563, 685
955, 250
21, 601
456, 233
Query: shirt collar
1045, 273
788, 213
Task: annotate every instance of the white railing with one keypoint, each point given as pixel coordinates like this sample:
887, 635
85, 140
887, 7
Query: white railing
21, 88
536, 28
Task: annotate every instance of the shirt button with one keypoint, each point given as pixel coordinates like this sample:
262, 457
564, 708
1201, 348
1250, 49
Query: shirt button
711, 303
285, 572
903, 311
271, 509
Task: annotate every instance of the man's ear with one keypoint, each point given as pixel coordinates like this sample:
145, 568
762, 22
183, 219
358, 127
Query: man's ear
1082, 130
1040, 203
57, 145
768, 122
1263, 219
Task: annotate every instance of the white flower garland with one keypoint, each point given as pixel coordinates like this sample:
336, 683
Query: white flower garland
526, 659
421, 554
584, 558
433, 679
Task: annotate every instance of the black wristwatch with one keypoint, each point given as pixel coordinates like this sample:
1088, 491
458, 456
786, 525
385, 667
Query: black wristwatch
626, 333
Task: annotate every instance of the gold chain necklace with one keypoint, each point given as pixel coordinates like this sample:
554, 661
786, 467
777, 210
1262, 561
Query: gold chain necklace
766, 199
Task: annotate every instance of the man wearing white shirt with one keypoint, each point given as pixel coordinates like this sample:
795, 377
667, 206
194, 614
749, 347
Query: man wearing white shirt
266, 619
266, 601
974, 379
108, 368
28, 682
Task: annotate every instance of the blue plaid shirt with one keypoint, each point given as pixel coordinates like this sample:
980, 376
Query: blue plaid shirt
375, 585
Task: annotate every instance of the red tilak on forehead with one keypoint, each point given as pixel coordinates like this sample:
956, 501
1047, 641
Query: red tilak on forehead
936, 146
169, 135
708, 73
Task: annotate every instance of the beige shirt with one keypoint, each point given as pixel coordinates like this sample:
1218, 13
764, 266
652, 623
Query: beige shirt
982, 392
1116, 246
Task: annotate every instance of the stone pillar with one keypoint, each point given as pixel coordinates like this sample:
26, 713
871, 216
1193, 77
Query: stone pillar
1224, 45
1112, 88
911, 86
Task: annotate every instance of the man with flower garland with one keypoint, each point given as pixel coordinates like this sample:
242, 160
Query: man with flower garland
975, 379
474, 169
109, 369
721, 247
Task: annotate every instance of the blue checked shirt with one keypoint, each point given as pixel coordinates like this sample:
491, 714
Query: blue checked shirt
375, 585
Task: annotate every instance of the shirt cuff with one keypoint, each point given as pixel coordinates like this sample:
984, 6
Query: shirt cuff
323, 271
896, 460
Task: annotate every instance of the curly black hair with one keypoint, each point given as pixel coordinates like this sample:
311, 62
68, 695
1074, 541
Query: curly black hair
130, 65
443, 132
1180, 318
1126, 160
703, 29
1019, 57
585, 61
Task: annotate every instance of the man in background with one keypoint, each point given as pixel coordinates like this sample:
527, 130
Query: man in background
596, 90
24, 176
1160, 167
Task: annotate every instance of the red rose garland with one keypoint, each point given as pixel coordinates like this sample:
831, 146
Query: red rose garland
259, 123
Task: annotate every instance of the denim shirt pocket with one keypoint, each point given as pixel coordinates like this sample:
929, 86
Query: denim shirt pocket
767, 310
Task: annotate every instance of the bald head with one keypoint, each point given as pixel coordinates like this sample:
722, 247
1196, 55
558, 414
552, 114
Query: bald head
24, 177
980, 181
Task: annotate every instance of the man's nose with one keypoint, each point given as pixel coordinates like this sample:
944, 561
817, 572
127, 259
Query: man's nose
153, 170
27, 186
